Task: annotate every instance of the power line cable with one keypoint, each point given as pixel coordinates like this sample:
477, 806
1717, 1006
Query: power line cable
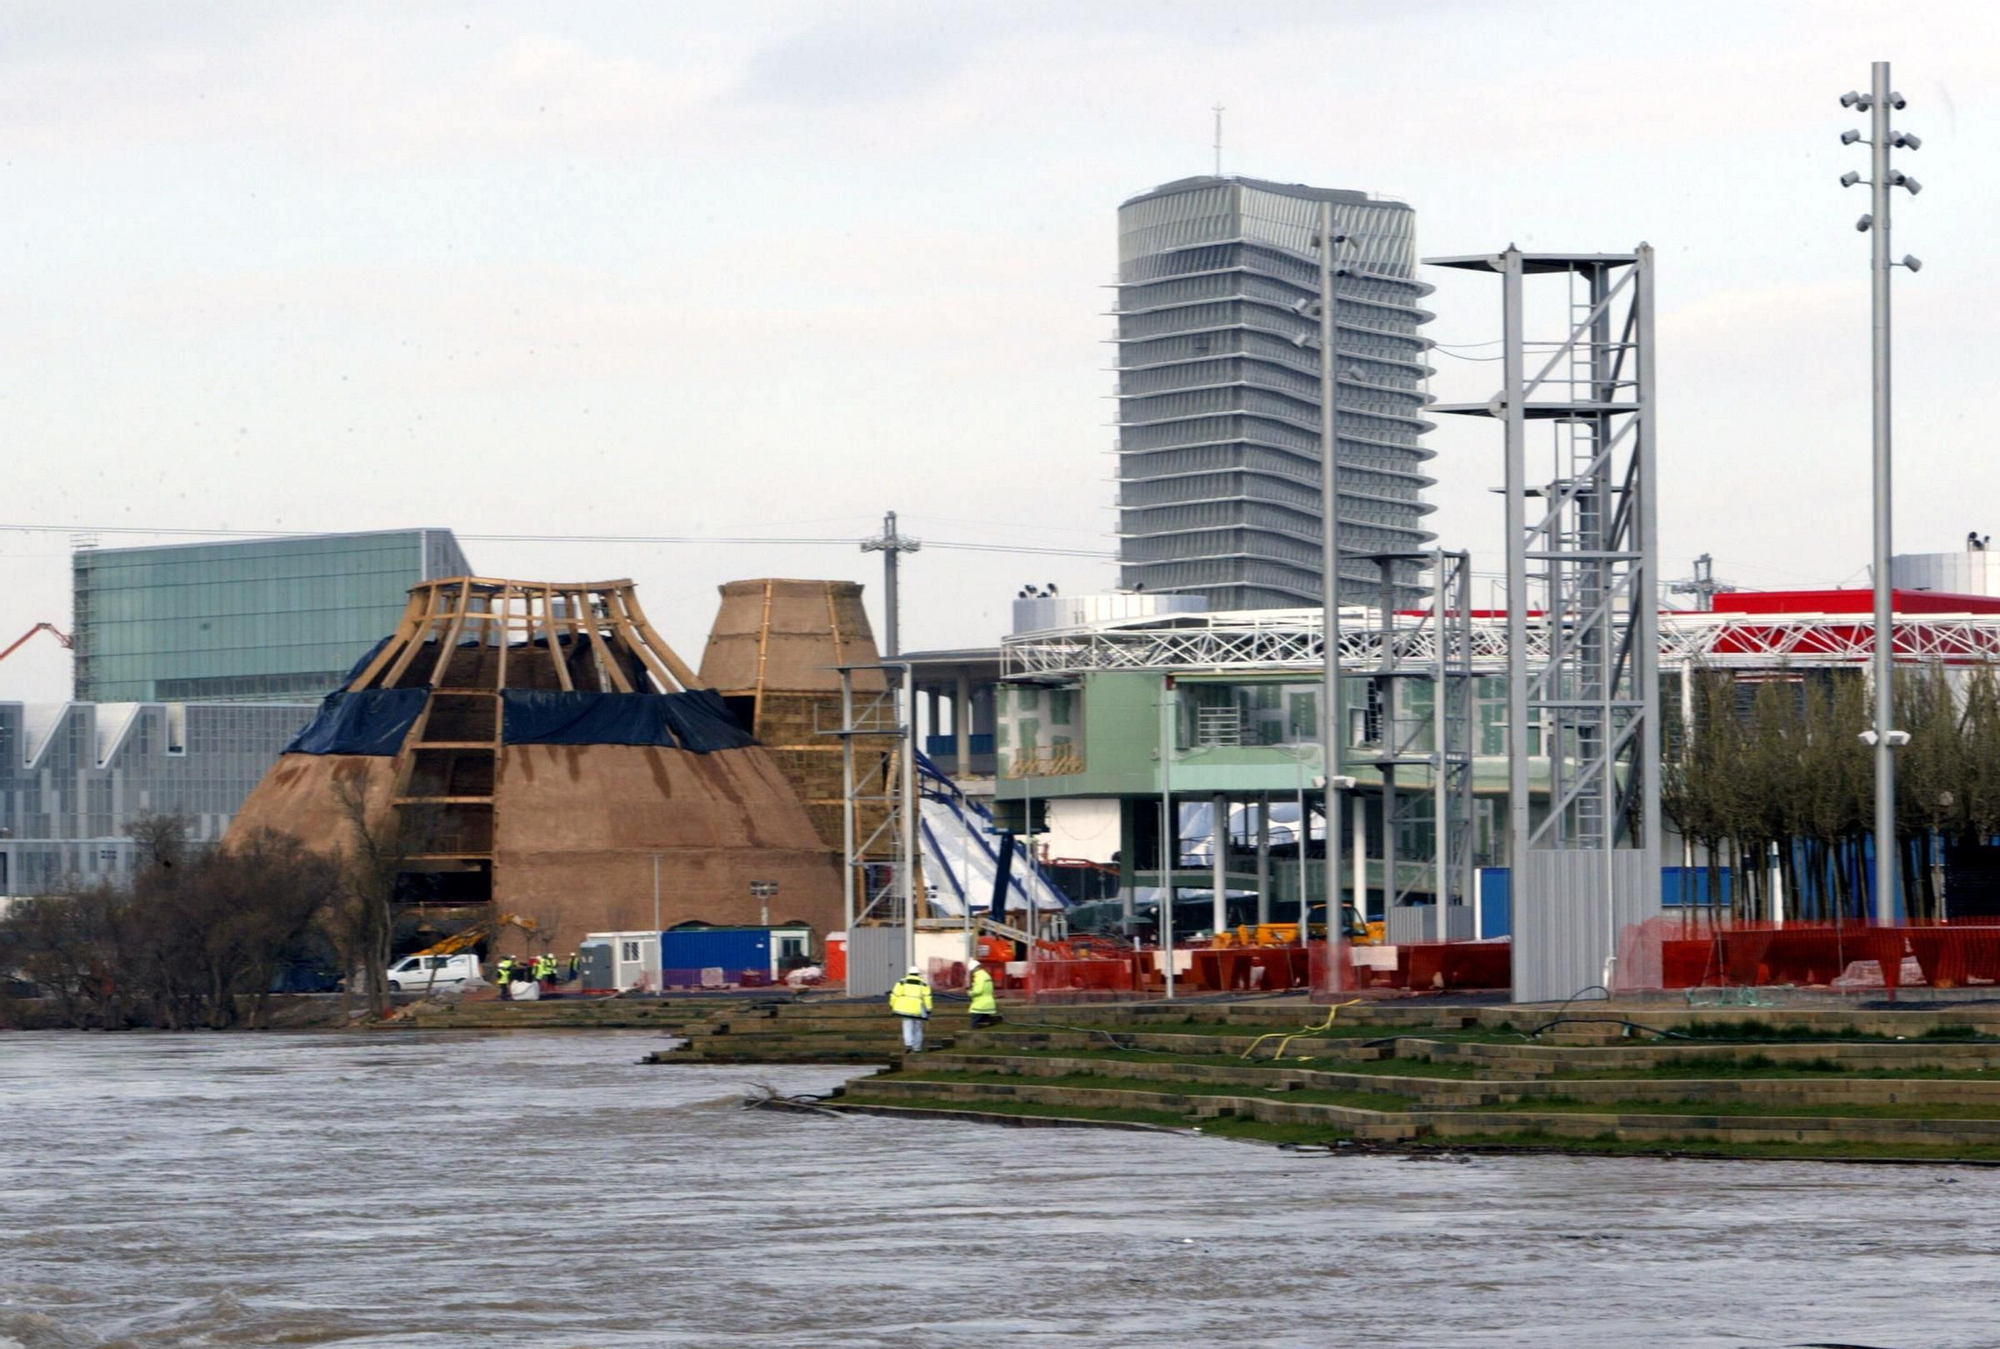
647, 539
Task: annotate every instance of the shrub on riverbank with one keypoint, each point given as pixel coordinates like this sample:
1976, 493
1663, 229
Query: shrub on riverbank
197, 939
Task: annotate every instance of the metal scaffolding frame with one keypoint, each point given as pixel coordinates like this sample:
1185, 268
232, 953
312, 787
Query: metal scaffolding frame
1582, 550
889, 783
1436, 651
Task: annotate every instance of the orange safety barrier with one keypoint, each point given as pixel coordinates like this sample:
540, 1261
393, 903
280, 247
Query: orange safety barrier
1676, 952
1248, 969
1088, 980
950, 974
1440, 967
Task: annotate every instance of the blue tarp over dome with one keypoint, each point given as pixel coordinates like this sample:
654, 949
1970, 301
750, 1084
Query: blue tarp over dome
697, 721
373, 722
377, 721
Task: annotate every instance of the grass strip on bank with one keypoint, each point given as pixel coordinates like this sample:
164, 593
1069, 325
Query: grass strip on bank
1051, 1019
1763, 1109
1355, 1100
1702, 1068
1512, 1141
1224, 1127
1609, 1145
1757, 1067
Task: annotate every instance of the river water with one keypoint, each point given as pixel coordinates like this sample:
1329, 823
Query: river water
496, 1190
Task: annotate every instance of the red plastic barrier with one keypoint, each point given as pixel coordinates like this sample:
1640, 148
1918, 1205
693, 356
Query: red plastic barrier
1249, 969
1456, 965
1953, 957
1080, 980
1751, 954
1438, 967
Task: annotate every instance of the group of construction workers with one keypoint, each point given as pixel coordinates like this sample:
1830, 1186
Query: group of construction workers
543, 969
910, 1001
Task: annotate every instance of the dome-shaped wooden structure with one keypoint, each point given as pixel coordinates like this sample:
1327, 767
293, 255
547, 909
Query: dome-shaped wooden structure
775, 651
536, 746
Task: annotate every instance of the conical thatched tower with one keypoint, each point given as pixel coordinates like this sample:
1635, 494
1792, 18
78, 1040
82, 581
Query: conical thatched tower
774, 653
535, 747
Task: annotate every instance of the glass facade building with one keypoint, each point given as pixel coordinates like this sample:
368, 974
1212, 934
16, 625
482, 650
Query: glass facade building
74, 775
1219, 391
252, 621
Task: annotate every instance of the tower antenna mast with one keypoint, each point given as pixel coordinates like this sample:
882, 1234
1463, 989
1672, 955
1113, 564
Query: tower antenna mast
1218, 140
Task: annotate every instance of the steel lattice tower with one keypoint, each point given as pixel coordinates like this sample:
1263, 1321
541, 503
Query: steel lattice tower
1582, 550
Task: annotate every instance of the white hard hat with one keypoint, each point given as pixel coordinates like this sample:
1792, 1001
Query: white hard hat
915, 970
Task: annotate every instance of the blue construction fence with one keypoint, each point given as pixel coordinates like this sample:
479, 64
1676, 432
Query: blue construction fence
1680, 887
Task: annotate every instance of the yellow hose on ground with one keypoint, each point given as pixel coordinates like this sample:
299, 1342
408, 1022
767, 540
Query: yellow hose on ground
1290, 1036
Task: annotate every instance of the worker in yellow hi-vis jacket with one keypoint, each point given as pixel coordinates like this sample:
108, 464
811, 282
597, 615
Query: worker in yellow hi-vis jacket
910, 999
985, 1007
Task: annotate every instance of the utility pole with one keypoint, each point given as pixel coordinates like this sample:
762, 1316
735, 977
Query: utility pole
889, 545
1882, 737
1704, 587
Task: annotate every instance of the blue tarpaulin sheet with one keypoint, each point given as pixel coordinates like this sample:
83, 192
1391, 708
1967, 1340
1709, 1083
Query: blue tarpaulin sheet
702, 722
698, 721
367, 657
373, 722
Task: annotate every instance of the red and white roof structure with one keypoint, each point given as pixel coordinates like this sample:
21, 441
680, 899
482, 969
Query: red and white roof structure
1746, 630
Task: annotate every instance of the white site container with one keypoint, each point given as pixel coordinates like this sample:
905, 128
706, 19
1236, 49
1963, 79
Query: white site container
635, 958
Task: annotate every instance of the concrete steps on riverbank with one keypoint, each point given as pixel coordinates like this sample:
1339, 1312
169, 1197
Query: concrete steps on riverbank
1404, 1075
806, 1031
1537, 1059
1815, 1093
671, 1015
1451, 1112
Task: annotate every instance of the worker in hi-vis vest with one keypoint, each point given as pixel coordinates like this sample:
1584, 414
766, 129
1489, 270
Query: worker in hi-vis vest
985, 1007
910, 999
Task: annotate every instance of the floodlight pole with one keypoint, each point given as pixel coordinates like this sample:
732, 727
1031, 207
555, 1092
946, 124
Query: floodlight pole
1880, 102
1885, 620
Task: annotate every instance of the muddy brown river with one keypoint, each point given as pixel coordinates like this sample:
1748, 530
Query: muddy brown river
491, 1190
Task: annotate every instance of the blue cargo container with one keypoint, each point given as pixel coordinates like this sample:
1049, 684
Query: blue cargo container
1679, 887
735, 951
1496, 902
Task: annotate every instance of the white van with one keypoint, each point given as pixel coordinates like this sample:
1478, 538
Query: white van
418, 974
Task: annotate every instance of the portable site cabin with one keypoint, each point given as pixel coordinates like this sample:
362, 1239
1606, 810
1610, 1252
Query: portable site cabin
617, 961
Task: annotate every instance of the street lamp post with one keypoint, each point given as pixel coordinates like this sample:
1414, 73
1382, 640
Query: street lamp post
1882, 736
1169, 827
1329, 506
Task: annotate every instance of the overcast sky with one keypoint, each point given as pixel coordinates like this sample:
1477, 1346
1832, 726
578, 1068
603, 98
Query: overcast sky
766, 268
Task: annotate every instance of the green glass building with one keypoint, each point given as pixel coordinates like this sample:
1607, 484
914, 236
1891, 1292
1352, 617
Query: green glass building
258, 620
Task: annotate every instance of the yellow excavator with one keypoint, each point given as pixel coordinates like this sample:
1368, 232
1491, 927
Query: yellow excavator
468, 937
1359, 932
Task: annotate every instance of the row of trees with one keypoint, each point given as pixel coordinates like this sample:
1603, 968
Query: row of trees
1776, 768
199, 937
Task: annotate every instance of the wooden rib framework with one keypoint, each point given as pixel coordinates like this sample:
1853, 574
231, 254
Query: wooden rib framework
470, 633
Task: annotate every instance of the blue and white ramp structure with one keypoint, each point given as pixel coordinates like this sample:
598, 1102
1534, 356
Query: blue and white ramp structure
964, 853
